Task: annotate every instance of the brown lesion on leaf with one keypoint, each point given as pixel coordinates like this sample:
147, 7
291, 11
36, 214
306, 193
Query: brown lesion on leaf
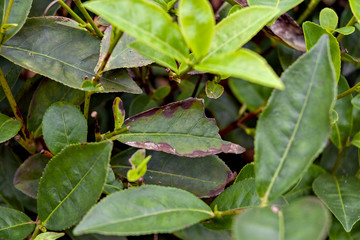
165, 147
167, 110
230, 177
284, 29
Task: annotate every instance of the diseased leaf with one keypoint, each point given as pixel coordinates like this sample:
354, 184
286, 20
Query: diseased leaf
355, 8
288, 223
173, 171
63, 124
9, 127
282, 5
197, 23
27, 176
122, 55
281, 159
238, 28
341, 195
71, 183
151, 25
68, 58
178, 128
18, 14
313, 33
47, 93
341, 130
199, 232
244, 64
149, 209
14, 224
253, 95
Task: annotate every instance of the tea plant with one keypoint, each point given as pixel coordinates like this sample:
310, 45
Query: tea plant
106, 128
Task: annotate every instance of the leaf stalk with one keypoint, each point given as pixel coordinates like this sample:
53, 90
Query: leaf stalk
355, 88
310, 8
76, 17
88, 18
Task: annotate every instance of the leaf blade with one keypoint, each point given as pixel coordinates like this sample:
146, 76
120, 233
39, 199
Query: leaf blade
9, 127
14, 224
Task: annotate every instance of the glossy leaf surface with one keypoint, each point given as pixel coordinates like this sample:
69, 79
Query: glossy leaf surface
197, 23
151, 25
244, 64
174, 171
288, 223
49, 236
68, 60
27, 176
341, 196
47, 93
246, 172
63, 124
282, 5
18, 14
72, 182
179, 128
238, 28
337, 232
213, 89
313, 33
122, 56
285, 145
9, 127
150, 209
14, 224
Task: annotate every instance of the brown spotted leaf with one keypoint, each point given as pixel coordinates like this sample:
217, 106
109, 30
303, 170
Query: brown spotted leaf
179, 128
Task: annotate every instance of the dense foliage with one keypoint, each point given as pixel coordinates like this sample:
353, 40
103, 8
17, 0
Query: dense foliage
166, 119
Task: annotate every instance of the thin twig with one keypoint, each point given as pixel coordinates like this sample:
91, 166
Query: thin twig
88, 18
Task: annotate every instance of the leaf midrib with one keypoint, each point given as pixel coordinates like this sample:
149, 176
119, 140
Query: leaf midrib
76, 186
154, 214
288, 146
166, 134
341, 200
16, 225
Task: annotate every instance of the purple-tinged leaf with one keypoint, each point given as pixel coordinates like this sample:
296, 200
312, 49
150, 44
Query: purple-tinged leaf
179, 128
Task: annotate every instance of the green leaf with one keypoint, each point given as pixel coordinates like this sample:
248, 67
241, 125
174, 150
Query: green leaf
341, 196
238, 28
63, 124
154, 27
18, 14
304, 187
9, 127
149, 209
213, 89
47, 93
9, 162
69, 188
68, 60
288, 223
49, 236
197, 23
154, 55
39, 6
328, 19
173, 171
356, 140
285, 143
246, 172
253, 95
11, 73
287, 55
341, 130
244, 64
178, 128
141, 103
282, 5
14, 224
356, 101
199, 232
112, 183
122, 55
27, 176
355, 8
313, 33
345, 30
337, 232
